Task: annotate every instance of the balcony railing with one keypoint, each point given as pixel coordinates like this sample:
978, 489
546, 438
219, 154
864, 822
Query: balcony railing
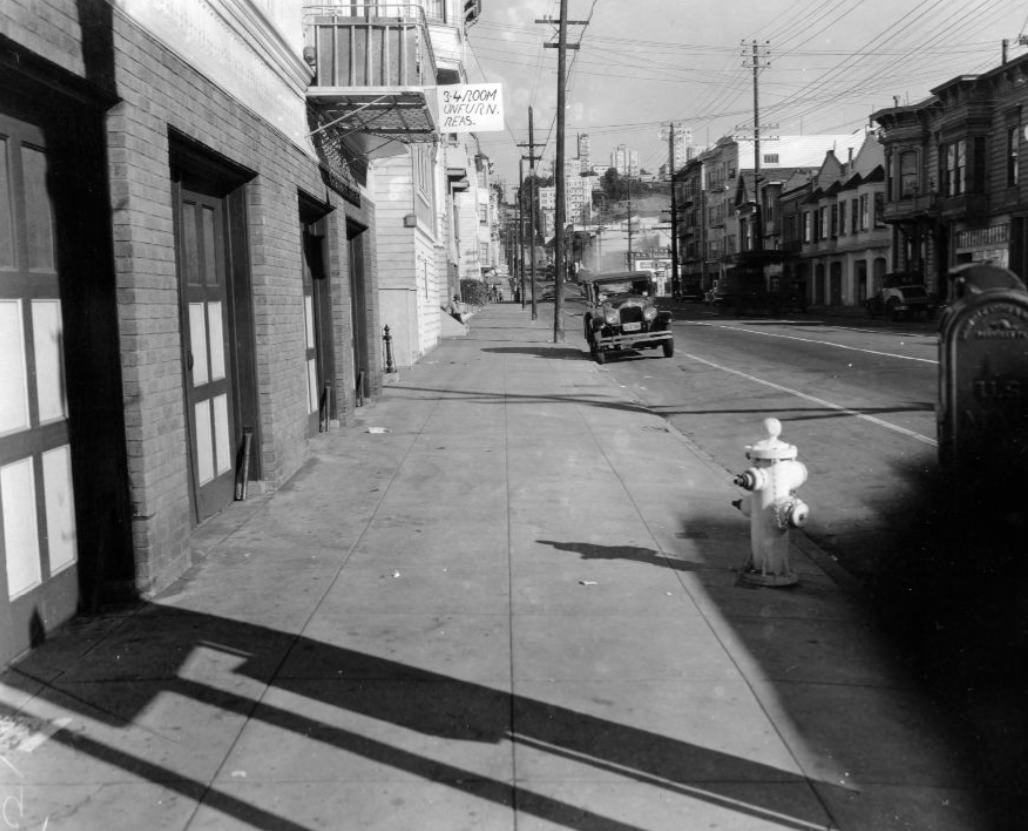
435, 10
370, 44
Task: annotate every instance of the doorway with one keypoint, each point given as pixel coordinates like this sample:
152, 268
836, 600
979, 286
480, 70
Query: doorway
835, 284
210, 403
861, 282
317, 325
216, 318
355, 236
38, 533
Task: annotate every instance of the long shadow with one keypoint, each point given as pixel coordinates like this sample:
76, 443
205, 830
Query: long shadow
663, 410
807, 413
520, 398
561, 353
354, 682
949, 596
951, 591
632, 553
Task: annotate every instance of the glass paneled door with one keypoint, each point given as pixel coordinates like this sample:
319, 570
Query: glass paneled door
210, 408
316, 327
38, 540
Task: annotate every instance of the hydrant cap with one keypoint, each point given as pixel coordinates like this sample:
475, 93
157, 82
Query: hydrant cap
771, 448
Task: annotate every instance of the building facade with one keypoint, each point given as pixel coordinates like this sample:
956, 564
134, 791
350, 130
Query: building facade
625, 161
833, 228
955, 189
188, 287
712, 187
377, 65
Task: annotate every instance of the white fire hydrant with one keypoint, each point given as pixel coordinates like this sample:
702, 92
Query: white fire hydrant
773, 507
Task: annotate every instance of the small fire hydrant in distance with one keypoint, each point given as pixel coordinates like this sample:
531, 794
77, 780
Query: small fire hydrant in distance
773, 507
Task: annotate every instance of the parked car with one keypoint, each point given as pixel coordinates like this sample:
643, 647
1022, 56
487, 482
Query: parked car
902, 296
620, 314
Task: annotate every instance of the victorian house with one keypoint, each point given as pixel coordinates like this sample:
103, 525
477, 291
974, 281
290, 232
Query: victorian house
711, 188
955, 191
843, 249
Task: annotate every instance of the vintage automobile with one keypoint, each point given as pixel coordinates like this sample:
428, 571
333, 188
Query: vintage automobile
620, 314
902, 296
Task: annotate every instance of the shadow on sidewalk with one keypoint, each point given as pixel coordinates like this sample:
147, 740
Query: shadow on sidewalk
632, 553
506, 398
795, 413
563, 353
140, 653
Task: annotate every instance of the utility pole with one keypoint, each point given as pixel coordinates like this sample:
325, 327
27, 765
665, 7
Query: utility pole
533, 195
631, 256
521, 228
672, 164
760, 55
559, 268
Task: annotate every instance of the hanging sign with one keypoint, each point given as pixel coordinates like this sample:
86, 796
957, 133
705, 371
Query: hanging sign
470, 108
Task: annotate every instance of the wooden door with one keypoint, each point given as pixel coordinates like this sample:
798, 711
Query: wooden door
38, 539
317, 318
210, 404
358, 309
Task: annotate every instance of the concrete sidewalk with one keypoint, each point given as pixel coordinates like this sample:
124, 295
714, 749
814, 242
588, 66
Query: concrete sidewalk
506, 599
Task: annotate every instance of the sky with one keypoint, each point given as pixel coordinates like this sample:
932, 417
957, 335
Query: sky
643, 64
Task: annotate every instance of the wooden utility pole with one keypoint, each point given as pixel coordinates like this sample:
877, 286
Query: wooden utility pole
675, 287
521, 229
559, 267
760, 61
533, 195
631, 254
758, 230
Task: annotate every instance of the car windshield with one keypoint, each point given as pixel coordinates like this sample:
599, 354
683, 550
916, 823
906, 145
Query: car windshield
640, 288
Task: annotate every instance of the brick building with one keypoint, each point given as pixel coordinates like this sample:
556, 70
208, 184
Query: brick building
185, 273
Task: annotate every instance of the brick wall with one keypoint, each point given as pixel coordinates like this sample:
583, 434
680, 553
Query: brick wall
160, 96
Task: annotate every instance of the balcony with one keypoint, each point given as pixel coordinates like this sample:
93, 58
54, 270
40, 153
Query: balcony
372, 64
911, 208
970, 207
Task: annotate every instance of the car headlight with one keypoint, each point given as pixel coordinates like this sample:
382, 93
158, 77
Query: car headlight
650, 313
611, 316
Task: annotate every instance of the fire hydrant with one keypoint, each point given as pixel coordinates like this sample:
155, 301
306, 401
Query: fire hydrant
773, 507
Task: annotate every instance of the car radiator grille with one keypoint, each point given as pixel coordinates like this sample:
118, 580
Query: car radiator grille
631, 314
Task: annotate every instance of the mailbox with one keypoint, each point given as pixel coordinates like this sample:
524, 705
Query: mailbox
982, 410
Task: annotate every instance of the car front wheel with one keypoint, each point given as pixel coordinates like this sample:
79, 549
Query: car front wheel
669, 348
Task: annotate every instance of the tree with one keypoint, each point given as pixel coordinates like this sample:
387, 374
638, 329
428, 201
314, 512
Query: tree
530, 194
614, 185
